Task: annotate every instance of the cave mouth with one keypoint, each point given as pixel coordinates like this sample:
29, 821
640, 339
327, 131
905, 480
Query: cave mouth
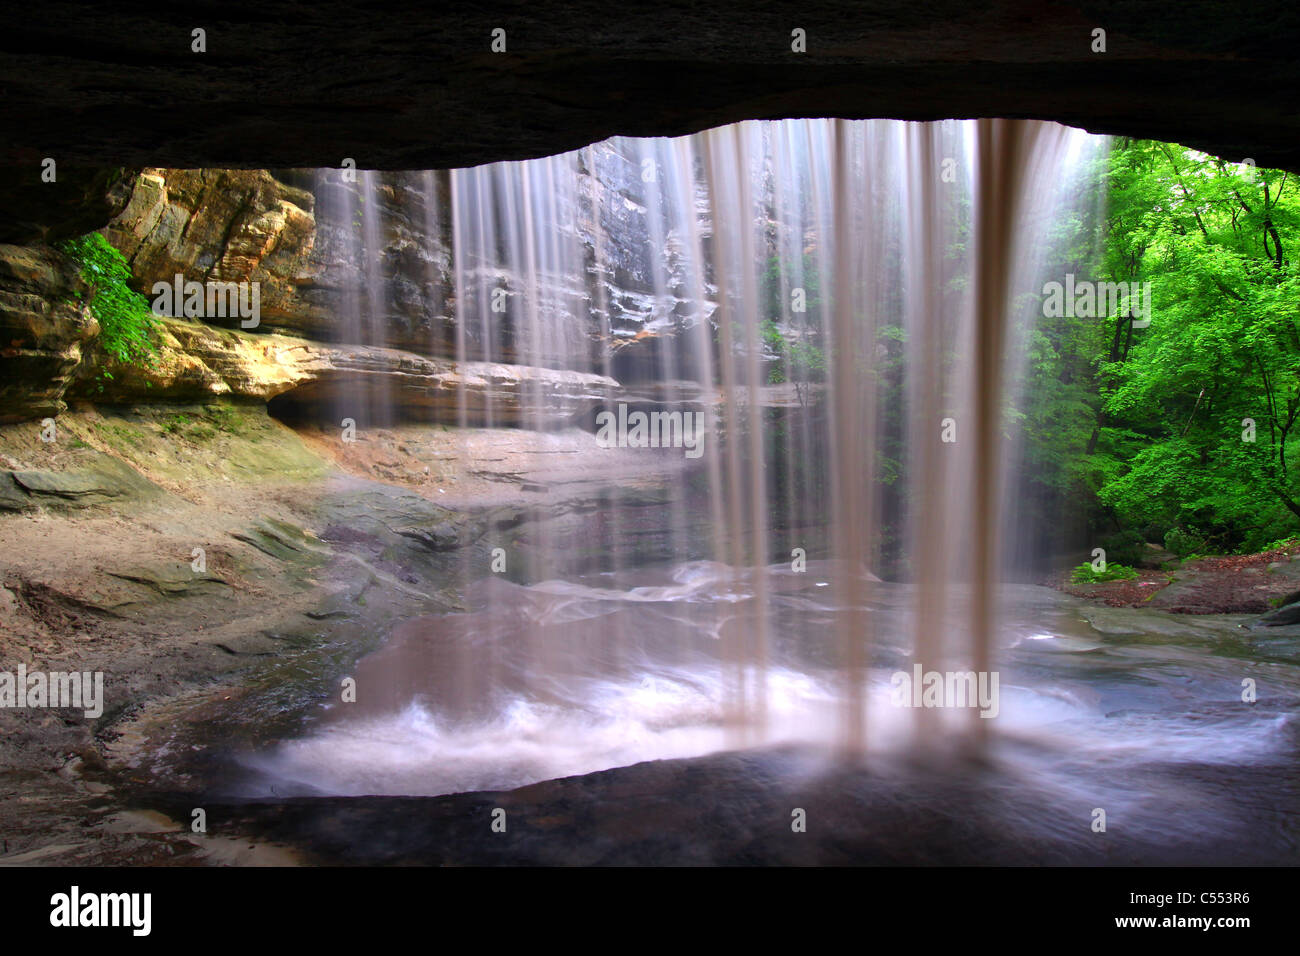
293, 410
722, 462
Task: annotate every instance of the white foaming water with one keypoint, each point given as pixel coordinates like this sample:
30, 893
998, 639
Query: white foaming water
654, 718
665, 694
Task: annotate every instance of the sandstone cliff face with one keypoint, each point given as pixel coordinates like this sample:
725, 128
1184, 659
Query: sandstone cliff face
224, 225
304, 243
300, 243
78, 200
362, 263
43, 329
411, 305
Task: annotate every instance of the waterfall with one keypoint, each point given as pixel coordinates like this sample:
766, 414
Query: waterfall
844, 304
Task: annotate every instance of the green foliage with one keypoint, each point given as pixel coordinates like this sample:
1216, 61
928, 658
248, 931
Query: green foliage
1084, 573
1189, 427
1058, 411
1288, 542
1222, 346
1183, 543
804, 361
779, 279
800, 359
126, 321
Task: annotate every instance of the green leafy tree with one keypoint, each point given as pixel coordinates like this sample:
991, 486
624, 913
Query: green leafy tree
1196, 424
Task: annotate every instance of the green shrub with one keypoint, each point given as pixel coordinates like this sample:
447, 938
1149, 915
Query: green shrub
1183, 543
126, 323
1084, 573
1288, 542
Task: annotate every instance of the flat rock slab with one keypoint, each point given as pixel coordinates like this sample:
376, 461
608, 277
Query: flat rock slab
169, 577
103, 478
283, 541
731, 809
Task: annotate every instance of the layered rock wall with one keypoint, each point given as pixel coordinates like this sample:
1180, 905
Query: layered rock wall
284, 231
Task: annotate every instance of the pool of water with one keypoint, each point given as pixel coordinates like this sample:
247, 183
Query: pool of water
1138, 713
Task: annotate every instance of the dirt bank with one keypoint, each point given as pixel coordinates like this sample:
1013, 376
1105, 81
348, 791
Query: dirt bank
1222, 584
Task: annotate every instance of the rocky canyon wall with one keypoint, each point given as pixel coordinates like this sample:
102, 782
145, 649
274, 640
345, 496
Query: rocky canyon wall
293, 232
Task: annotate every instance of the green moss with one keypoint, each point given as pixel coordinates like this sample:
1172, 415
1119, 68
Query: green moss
119, 434
175, 425
215, 420
226, 418
1287, 542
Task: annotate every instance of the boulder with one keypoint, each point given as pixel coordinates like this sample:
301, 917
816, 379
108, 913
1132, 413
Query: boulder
1287, 614
100, 478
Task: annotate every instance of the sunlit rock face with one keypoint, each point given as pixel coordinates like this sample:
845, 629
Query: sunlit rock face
223, 225
401, 385
197, 362
304, 236
43, 329
360, 260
